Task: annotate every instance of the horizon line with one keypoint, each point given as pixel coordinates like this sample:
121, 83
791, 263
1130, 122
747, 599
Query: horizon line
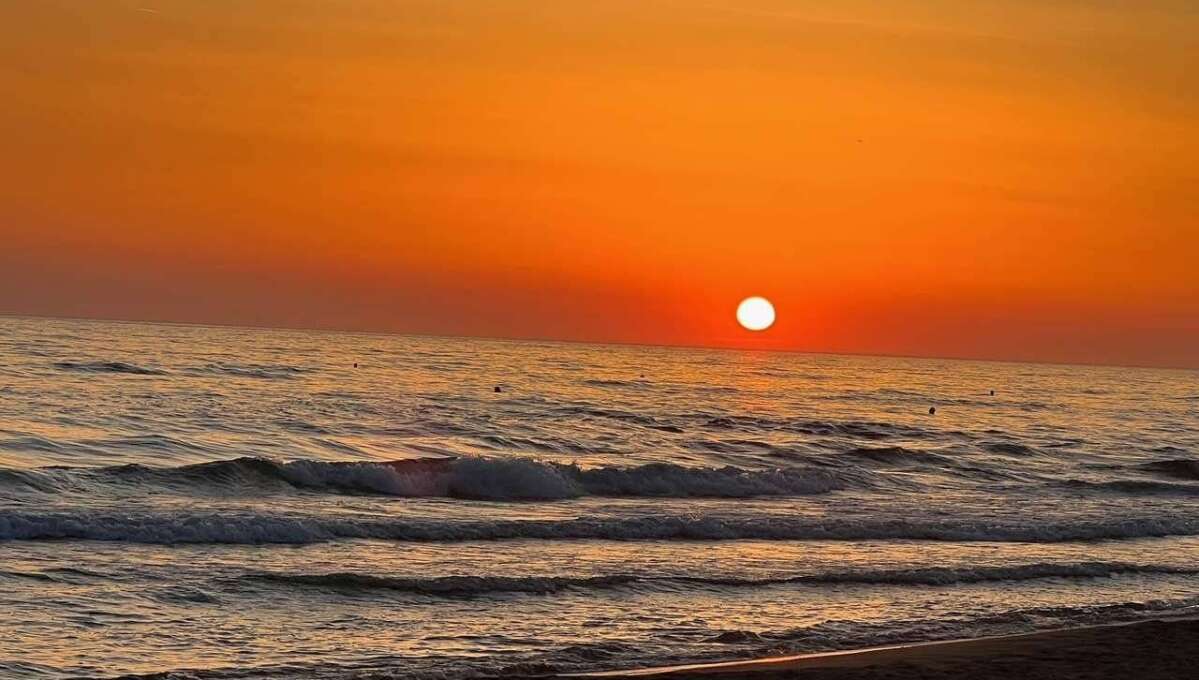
613, 343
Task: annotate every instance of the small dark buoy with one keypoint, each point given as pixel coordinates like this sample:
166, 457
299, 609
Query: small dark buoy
355, 364
992, 393
497, 388
932, 410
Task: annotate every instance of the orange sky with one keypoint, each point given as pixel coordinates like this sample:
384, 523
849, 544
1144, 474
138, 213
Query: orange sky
1011, 179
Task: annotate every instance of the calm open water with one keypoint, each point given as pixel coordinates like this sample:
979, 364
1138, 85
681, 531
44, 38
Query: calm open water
237, 503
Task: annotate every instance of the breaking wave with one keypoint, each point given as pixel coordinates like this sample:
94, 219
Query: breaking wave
468, 477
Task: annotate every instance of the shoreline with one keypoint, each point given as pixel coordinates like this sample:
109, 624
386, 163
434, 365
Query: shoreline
1158, 648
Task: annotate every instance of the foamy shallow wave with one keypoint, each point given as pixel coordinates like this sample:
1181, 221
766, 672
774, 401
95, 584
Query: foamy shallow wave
606, 654
466, 586
473, 478
246, 527
854, 634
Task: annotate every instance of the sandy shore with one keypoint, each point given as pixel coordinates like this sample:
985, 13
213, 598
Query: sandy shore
1163, 649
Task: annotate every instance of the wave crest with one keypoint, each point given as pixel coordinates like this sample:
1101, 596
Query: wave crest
467, 477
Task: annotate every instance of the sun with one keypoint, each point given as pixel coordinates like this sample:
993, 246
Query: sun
755, 313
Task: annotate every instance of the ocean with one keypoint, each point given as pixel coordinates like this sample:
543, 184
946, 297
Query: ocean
241, 503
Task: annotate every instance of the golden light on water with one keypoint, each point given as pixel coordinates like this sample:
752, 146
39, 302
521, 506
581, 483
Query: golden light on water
755, 313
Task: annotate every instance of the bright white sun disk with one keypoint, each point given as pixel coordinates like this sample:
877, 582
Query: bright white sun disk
755, 313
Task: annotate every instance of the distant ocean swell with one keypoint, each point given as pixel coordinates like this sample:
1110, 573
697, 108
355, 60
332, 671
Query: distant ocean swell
276, 372
245, 527
469, 478
107, 367
467, 586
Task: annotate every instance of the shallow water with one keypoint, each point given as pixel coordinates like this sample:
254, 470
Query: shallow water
247, 503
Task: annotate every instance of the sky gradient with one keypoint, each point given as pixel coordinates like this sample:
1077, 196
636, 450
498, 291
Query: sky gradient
1002, 179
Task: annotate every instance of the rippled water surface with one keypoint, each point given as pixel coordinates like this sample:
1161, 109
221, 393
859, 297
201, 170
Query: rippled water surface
241, 503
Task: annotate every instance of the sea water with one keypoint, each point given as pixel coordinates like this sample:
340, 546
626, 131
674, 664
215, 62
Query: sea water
242, 503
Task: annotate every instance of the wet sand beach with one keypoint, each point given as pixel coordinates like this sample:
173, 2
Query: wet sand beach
1162, 649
